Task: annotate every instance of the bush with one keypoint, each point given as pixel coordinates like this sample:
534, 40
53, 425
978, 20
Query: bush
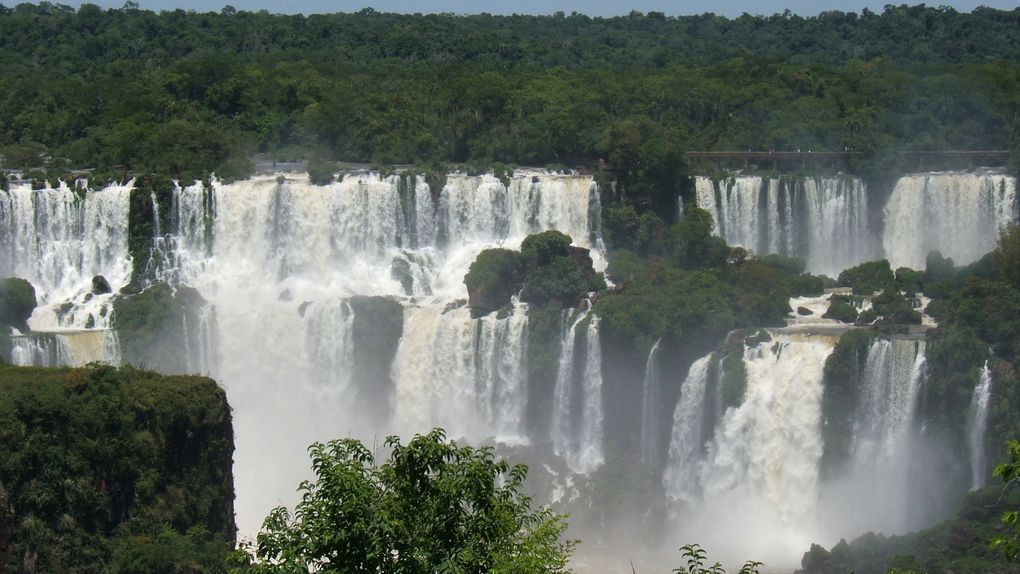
433, 507
493, 278
895, 309
322, 172
909, 281
841, 311
542, 248
546, 270
805, 284
17, 301
763, 298
868, 278
558, 281
788, 265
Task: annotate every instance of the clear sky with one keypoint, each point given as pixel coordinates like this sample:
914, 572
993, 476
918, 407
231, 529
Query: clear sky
592, 7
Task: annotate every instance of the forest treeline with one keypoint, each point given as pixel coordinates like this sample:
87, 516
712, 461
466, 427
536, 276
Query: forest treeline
183, 93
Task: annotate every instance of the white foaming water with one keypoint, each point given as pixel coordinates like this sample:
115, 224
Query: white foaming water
589, 455
650, 407
821, 220
680, 478
958, 214
277, 260
59, 239
564, 392
874, 493
760, 476
977, 422
462, 374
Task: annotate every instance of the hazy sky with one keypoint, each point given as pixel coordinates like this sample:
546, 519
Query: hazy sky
592, 8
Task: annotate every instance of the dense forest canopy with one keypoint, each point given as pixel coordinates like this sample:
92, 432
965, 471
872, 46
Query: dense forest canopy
182, 93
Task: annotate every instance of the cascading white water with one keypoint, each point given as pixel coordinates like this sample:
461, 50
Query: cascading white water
66, 348
650, 408
977, 422
680, 479
276, 260
956, 213
821, 220
760, 474
463, 374
874, 492
572, 400
589, 455
59, 239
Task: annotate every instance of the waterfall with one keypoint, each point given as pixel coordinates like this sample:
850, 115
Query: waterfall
464, 374
821, 220
577, 396
875, 491
58, 239
760, 473
958, 214
66, 348
589, 455
685, 447
278, 260
977, 422
650, 408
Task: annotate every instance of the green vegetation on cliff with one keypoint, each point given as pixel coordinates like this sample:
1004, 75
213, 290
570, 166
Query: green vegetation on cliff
151, 326
547, 270
960, 545
107, 470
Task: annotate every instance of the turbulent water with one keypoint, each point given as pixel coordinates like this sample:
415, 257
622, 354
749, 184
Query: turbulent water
821, 220
752, 483
977, 423
760, 474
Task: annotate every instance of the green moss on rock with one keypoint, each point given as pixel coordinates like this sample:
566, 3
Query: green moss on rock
843, 371
151, 326
840, 310
493, 278
17, 301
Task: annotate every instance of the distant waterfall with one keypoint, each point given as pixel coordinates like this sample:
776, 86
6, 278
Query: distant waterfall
650, 408
977, 423
821, 220
958, 214
680, 479
577, 396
